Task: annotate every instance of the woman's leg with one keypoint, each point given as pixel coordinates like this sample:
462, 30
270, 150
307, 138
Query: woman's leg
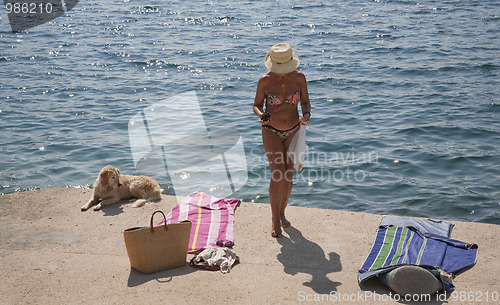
275, 151
288, 183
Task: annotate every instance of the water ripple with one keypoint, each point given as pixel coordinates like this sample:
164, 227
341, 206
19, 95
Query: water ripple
409, 88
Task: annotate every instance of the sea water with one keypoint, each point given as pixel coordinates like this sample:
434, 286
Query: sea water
405, 96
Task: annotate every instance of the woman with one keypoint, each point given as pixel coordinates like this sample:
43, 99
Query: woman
282, 88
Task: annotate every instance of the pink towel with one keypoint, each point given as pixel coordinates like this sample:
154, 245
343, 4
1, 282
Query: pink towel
213, 219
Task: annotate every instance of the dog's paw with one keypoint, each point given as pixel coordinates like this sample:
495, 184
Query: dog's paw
97, 207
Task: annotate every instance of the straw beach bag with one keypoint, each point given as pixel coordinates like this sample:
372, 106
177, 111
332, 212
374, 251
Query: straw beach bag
151, 249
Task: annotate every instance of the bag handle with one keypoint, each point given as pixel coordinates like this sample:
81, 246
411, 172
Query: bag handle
151, 222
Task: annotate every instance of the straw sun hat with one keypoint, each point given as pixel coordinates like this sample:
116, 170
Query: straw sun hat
281, 59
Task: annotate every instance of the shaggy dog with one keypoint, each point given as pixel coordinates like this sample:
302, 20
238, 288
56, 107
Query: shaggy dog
110, 187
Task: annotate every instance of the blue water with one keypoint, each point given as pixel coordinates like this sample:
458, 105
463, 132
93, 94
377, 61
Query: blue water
405, 96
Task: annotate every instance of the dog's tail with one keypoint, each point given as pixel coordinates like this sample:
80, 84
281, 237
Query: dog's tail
140, 202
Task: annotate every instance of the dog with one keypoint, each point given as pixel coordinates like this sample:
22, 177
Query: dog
110, 187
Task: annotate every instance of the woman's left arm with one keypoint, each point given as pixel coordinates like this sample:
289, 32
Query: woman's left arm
304, 98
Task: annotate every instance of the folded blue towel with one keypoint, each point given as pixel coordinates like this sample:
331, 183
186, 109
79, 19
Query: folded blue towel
437, 227
411, 242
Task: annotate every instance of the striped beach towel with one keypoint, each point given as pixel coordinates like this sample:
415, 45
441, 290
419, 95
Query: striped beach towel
212, 218
396, 246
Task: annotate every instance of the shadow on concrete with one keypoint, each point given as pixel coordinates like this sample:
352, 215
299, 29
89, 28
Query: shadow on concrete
114, 209
137, 278
300, 255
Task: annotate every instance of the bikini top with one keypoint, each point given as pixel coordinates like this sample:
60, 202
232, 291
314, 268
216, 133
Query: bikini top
275, 100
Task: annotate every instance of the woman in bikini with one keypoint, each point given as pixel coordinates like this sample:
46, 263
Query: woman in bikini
281, 89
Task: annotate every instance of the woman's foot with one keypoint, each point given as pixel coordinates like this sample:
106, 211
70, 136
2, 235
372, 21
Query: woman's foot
275, 231
276, 234
284, 222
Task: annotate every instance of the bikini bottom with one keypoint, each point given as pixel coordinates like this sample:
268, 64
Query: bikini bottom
282, 134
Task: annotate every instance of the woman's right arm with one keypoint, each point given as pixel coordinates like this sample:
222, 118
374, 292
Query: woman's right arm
258, 104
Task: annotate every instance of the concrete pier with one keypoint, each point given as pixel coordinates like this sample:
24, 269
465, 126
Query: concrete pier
52, 253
